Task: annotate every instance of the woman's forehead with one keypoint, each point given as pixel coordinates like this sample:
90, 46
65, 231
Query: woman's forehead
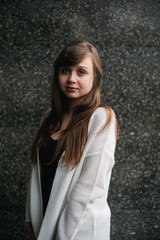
74, 60
86, 62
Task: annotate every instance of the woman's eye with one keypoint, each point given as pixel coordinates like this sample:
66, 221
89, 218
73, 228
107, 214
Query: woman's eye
65, 70
81, 72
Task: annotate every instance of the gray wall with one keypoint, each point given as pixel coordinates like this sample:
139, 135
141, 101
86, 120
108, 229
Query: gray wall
127, 36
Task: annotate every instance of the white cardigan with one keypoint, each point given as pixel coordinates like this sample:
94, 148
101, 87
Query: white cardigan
77, 207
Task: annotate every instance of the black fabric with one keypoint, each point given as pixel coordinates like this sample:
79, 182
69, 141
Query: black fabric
47, 171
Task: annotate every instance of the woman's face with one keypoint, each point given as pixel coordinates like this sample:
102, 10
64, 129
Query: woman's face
76, 81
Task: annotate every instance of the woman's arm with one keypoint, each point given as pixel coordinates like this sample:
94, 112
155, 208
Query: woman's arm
29, 229
91, 185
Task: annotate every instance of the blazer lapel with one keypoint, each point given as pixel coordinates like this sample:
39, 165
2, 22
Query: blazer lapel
56, 203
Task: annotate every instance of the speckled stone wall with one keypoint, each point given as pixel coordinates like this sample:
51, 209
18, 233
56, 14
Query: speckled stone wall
127, 36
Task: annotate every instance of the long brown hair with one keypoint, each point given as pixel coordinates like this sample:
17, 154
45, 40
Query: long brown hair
76, 132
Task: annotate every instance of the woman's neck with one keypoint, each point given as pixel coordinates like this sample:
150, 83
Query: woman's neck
65, 121
72, 103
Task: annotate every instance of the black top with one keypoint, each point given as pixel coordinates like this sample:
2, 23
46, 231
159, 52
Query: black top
47, 171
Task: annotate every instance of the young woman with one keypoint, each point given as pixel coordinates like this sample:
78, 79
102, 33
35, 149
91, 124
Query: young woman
73, 154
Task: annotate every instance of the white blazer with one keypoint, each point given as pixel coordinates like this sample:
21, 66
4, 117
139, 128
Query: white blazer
77, 207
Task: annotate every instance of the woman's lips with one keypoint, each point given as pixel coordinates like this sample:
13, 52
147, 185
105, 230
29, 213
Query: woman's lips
71, 89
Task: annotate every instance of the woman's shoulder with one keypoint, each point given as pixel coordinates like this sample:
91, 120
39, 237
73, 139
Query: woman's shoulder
102, 113
101, 117
47, 112
45, 115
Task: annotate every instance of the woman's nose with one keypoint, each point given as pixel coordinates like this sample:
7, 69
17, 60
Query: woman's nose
72, 77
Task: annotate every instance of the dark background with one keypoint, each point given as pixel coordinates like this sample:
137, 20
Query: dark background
127, 36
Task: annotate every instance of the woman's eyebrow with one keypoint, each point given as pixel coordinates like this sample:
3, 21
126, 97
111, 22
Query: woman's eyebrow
81, 66
78, 66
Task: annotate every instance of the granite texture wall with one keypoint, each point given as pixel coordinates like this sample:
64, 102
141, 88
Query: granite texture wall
127, 36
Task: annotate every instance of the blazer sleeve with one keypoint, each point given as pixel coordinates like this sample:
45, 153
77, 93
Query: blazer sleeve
98, 163
27, 210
